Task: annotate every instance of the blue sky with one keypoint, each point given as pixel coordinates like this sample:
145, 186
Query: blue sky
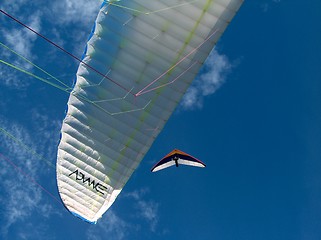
253, 116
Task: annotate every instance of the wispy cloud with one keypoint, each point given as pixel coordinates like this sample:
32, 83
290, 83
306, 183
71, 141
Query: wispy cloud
78, 17
10, 79
21, 40
80, 12
211, 77
110, 225
21, 199
146, 209
35, 231
267, 5
48, 129
15, 6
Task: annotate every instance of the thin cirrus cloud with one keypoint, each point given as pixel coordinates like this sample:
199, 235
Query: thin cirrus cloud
21, 41
266, 6
76, 18
211, 77
147, 209
110, 225
22, 197
75, 12
27, 151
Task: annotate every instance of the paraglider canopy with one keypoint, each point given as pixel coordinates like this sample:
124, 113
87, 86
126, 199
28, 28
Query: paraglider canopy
140, 59
177, 157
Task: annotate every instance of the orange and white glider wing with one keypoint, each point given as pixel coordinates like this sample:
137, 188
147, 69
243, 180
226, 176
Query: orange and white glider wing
177, 157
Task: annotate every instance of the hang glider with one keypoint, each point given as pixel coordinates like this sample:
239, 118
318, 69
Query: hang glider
177, 157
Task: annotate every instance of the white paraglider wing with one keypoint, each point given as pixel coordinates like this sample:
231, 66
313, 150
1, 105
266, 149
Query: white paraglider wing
140, 59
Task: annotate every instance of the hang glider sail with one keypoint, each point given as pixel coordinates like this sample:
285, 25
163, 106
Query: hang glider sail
140, 58
177, 157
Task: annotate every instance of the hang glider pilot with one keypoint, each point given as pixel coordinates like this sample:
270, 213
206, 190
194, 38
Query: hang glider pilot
177, 157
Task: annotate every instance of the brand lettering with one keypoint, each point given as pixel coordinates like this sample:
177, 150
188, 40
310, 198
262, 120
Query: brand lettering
91, 183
